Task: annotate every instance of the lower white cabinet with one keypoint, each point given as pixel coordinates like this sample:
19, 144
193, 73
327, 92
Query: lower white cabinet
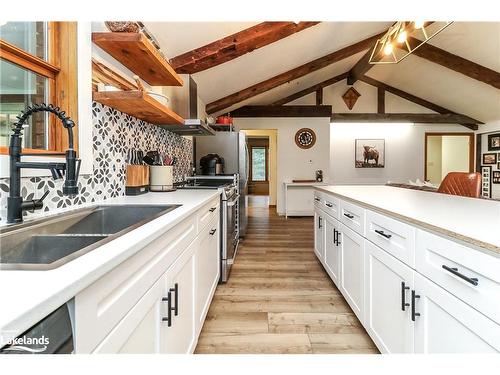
352, 270
445, 324
319, 234
332, 248
388, 287
178, 318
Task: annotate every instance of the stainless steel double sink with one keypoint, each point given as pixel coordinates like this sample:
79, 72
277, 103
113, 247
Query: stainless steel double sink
49, 243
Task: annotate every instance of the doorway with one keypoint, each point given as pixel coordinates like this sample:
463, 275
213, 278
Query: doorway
258, 150
448, 152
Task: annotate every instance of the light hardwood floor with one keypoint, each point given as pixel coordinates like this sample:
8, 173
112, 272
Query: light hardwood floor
278, 298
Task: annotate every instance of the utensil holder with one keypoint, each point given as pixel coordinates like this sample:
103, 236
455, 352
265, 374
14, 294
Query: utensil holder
161, 178
136, 179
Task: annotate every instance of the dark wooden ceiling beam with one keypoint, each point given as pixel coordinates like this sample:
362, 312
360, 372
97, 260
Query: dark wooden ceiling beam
424, 118
283, 111
456, 63
417, 100
235, 45
360, 68
311, 89
290, 75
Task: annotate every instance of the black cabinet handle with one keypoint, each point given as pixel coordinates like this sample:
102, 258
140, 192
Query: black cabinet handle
471, 280
319, 222
175, 290
414, 314
329, 205
212, 232
404, 288
383, 234
334, 236
212, 209
168, 299
317, 199
349, 216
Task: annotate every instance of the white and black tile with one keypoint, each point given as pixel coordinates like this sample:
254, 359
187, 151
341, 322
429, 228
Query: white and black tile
114, 133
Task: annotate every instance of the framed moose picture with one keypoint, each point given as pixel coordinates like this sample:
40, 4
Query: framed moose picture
369, 153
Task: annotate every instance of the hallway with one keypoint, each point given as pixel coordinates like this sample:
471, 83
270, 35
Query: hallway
278, 298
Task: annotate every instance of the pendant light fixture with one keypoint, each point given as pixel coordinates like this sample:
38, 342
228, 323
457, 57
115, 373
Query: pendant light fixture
403, 38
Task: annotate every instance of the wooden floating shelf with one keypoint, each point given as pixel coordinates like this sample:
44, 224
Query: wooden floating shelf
140, 105
137, 53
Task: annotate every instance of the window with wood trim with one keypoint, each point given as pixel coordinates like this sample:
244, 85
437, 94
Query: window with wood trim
38, 64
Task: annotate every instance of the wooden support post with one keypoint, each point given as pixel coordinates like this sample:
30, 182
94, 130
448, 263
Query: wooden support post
380, 100
319, 96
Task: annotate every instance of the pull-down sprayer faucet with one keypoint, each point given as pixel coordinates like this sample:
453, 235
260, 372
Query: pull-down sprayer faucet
71, 169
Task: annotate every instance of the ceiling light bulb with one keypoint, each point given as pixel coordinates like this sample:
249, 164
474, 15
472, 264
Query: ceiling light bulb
388, 49
402, 37
419, 24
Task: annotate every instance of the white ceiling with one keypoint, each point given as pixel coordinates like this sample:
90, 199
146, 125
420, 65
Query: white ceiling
476, 41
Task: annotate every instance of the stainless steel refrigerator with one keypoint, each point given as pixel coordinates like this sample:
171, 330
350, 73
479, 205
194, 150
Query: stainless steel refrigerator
231, 146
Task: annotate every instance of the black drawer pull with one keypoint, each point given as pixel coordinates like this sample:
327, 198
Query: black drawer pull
471, 280
175, 290
317, 199
336, 237
383, 234
404, 288
168, 299
329, 205
319, 222
349, 216
212, 232
212, 209
414, 314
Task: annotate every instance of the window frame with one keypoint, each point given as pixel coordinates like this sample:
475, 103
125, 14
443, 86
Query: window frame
61, 71
266, 156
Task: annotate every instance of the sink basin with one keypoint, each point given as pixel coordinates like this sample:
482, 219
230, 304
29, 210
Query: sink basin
49, 243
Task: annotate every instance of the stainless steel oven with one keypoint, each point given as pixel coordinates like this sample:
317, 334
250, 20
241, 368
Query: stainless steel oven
230, 236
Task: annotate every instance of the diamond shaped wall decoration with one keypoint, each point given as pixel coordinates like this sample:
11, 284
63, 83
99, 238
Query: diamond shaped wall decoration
350, 97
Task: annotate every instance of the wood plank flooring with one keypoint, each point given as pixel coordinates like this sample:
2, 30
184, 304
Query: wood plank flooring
278, 298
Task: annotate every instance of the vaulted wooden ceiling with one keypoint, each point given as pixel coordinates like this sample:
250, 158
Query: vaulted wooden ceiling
237, 64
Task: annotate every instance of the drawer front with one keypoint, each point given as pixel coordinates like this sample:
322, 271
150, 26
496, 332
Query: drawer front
353, 217
319, 201
454, 267
104, 303
391, 235
208, 212
331, 206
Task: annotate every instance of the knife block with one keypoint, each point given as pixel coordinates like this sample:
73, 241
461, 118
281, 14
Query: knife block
137, 179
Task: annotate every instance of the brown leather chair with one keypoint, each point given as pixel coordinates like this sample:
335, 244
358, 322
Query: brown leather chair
461, 183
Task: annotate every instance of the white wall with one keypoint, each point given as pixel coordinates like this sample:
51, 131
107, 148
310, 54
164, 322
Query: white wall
435, 159
294, 162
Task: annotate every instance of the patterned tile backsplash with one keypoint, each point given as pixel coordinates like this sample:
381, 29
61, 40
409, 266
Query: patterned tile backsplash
114, 133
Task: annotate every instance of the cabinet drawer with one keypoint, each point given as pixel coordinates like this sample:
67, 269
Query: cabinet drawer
208, 212
353, 217
104, 303
391, 235
319, 201
331, 206
454, 267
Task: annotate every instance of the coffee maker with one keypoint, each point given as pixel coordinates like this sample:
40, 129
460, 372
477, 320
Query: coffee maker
211, 164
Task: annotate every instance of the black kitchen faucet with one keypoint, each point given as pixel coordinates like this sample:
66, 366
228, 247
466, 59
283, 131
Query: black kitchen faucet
71, 169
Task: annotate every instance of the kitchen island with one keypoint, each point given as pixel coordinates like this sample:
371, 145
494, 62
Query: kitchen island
421, 270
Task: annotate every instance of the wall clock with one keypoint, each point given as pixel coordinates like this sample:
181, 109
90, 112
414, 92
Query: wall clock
305, 138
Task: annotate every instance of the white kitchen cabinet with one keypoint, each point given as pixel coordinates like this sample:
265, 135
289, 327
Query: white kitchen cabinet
388, 287
332, 249
445, 324
207, 265
352, 269
178, 311
319, 234
139, 331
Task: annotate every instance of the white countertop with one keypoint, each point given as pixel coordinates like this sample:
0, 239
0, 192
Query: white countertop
28, 296
471, 220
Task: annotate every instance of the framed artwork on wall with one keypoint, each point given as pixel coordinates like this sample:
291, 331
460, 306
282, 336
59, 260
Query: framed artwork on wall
369, 153
486, 181
490, 158
494, 142
496, 177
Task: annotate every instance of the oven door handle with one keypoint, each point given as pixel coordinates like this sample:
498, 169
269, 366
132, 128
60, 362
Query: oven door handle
233, 201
